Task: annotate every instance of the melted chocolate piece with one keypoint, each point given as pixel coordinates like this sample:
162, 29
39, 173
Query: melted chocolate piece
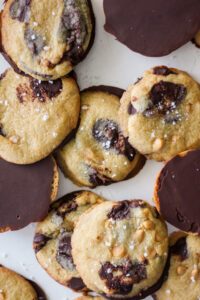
154, 27
73, 30
122, 210
76, 284
66, 207
131, 109
107, 133
180, 248
163, 71
121, 278
25, 193
34, 41
96, 179
64, 251
40, 293
165, 96
178, 191
44, 89
2, 132
39, 241
20, 10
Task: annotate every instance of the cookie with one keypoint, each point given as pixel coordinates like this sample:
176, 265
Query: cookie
88, 297
120, 249
35, 116
177, 191
52, 241
13, 286
26, 192
46, 39
152, 28
160, 111
184, 272
99, 154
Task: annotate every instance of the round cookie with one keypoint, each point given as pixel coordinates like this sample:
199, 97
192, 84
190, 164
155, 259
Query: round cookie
52, 241
26, 192
182, 282
148, 27
120, 249
46, 39
99, 154
13, 286
35, 116
160, 113
177, 191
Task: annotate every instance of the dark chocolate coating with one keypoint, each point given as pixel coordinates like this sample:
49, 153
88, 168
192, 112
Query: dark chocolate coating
106, 89
153, 27
150, 291
178, 192
25, 193
40, 293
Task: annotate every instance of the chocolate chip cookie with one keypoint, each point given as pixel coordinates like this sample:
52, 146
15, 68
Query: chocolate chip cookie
177, 191
13, 286
46, 39
153, 27
52, 241
120, 249
99, 154
184, 273
160, 113
35, 116
26, 192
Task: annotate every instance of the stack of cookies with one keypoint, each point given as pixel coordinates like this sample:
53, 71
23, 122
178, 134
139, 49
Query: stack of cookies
98, 136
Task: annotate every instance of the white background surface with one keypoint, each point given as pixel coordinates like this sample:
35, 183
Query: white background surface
109, 62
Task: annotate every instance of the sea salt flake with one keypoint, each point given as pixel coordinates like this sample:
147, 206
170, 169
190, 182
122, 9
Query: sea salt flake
45, 117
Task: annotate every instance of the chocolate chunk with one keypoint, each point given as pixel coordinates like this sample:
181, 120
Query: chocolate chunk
64, 251
16, 182
40, 240
120, 211
73, 30
66, 208
131, 109
152, 28
165, 97
108, 134
163, 71
2, 132
46, 89
121, 278
180, 248
20, 10
178, 191
96, 179
34, 41
76, 284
